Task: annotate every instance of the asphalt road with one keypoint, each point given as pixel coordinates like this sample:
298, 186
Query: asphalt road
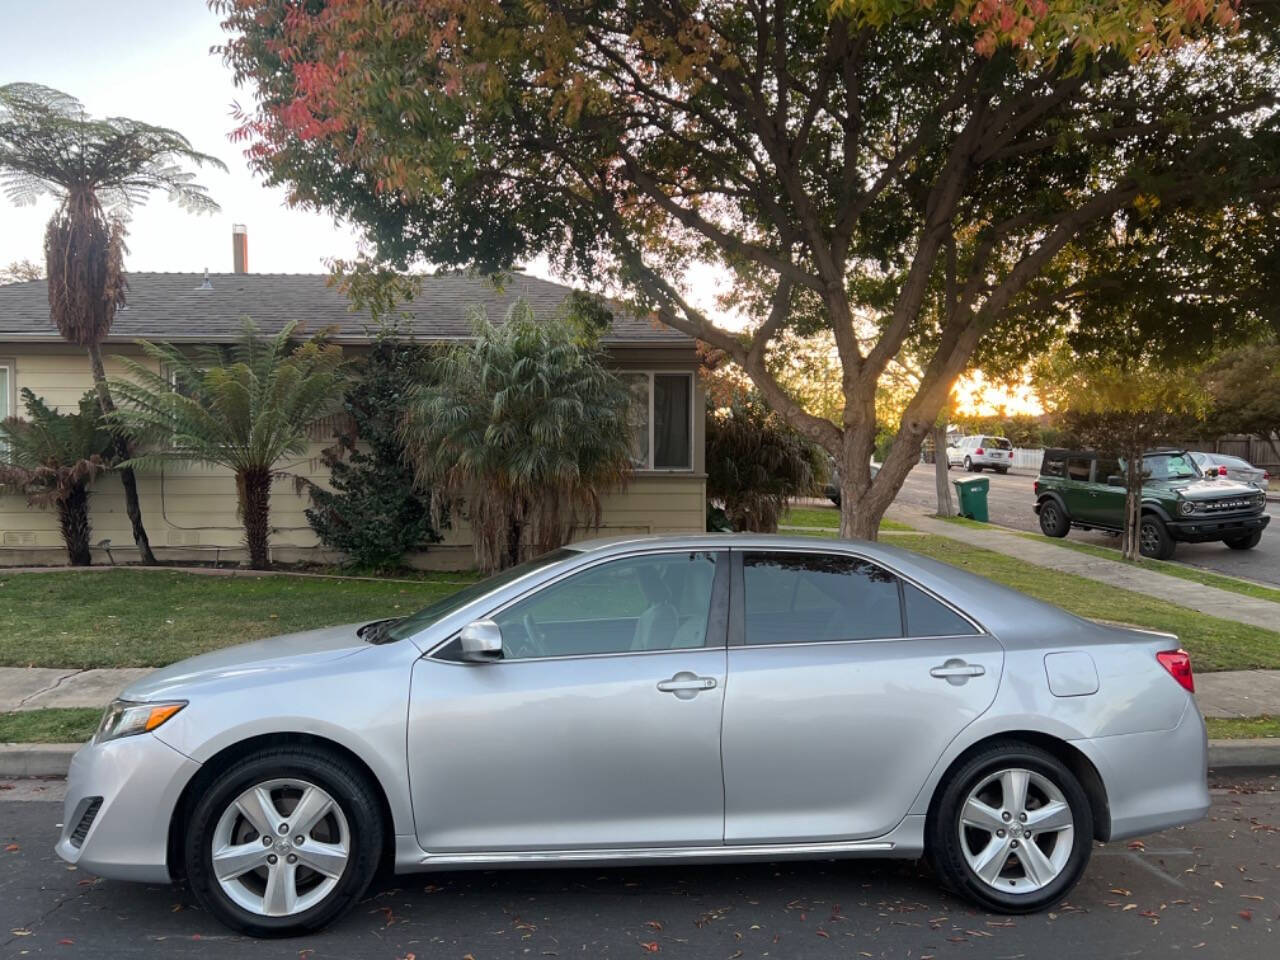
1010, 503
1210, 890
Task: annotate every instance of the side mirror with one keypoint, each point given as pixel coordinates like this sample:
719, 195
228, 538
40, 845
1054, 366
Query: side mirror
1114, 481
481, 642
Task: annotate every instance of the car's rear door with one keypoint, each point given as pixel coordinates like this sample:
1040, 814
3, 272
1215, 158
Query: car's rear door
598, 729
846, 683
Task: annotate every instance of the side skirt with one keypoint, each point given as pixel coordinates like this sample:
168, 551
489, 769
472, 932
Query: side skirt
906, 841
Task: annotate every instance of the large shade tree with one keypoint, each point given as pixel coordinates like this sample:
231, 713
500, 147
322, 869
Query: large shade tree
98, 169
902, 174
522, 432
245, 407
52, 457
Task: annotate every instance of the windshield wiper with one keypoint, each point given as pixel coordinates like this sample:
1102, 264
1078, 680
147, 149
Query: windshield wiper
375, 632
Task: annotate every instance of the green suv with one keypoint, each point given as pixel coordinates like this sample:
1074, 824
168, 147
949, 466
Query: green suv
1084, 489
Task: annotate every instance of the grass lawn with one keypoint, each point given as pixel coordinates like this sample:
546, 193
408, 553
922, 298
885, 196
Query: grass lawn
1214, 644
827, 517
1240, 728
136, 618
54, 725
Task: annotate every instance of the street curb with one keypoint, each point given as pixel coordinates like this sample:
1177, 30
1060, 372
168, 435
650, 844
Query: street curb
36, 759
54, 759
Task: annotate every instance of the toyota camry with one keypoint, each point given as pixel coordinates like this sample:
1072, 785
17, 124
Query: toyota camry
656, 699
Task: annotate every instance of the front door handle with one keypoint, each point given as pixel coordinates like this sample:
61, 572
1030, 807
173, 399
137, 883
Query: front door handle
686, 685
956, 671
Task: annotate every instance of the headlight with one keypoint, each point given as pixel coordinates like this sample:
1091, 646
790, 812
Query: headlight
1186, 507
125, 718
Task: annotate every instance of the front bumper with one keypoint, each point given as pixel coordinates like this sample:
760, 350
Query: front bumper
137, 781
1200, 530
1154, 781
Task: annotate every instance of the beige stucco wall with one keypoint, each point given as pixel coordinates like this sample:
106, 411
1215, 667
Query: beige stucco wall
190, 512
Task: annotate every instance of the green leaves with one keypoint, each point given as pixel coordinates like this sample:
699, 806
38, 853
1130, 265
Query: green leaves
49, 454
522, 431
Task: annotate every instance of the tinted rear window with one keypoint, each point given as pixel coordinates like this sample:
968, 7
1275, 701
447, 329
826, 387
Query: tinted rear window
1054, 467
1000, 443
927, 617
814, 597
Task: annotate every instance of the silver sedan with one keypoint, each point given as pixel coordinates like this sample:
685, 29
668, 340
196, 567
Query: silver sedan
705, 698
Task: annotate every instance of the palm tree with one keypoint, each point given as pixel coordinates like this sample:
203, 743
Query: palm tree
757, 464
244, 407
51, 457
523, 430
99, 170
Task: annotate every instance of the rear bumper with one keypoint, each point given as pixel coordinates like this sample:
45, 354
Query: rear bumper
136, 782
1195, 530
1154, 781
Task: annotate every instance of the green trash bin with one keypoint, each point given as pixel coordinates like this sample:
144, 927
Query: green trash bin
972, 494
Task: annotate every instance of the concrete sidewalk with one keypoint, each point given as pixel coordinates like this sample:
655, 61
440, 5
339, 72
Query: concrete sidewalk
1045, 553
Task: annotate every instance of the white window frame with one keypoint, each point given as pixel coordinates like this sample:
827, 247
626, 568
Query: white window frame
648, 466
10, 367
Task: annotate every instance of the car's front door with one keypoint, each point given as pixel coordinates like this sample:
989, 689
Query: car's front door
598, 728
846, 684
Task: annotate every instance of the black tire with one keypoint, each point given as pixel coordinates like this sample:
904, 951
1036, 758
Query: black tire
943, 836
349, 791
1153, 538
968, 464
1247, 542
1053, 521
1002, 470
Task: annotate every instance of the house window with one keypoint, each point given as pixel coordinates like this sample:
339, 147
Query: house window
661, 420
6, 389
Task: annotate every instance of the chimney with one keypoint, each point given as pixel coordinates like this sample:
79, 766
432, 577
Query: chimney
239, 248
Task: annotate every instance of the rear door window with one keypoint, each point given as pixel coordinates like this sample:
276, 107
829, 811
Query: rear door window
1078, 468
816, 597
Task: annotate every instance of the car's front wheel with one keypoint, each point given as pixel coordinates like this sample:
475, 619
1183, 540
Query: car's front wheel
1154, 540
1247, 542
1012, 829
283, 842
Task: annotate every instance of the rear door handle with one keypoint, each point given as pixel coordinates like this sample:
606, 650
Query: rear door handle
957, 671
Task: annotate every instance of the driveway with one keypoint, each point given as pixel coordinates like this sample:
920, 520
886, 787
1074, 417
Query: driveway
1011, 498
1211, 890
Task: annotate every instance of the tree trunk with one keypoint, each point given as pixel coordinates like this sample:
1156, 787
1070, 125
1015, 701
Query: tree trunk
940, 479
1131, 537
127, 478
73, 518
254, 488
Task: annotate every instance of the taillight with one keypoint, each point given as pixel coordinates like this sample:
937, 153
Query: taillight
1178, 663
979, 451
1222, 471
1035, 487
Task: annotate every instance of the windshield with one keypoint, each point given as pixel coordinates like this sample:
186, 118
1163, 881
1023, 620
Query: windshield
456, 601
1169, 466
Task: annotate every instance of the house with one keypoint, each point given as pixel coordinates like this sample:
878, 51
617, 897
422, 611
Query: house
190, 512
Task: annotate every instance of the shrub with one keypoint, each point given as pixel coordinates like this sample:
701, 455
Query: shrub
372, 511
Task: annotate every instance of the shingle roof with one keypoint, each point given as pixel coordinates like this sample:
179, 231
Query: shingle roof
175, 307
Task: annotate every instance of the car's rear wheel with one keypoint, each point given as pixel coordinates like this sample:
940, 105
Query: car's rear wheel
1246, 542
1053, 522
283, 842
1002, 470
1153, 538
1012, 829
968, 464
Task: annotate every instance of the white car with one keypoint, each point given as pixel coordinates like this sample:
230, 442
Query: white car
1234, 468
979, 451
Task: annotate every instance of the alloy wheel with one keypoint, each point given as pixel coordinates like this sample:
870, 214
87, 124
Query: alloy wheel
1149, 539
280, 847
1016, 831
